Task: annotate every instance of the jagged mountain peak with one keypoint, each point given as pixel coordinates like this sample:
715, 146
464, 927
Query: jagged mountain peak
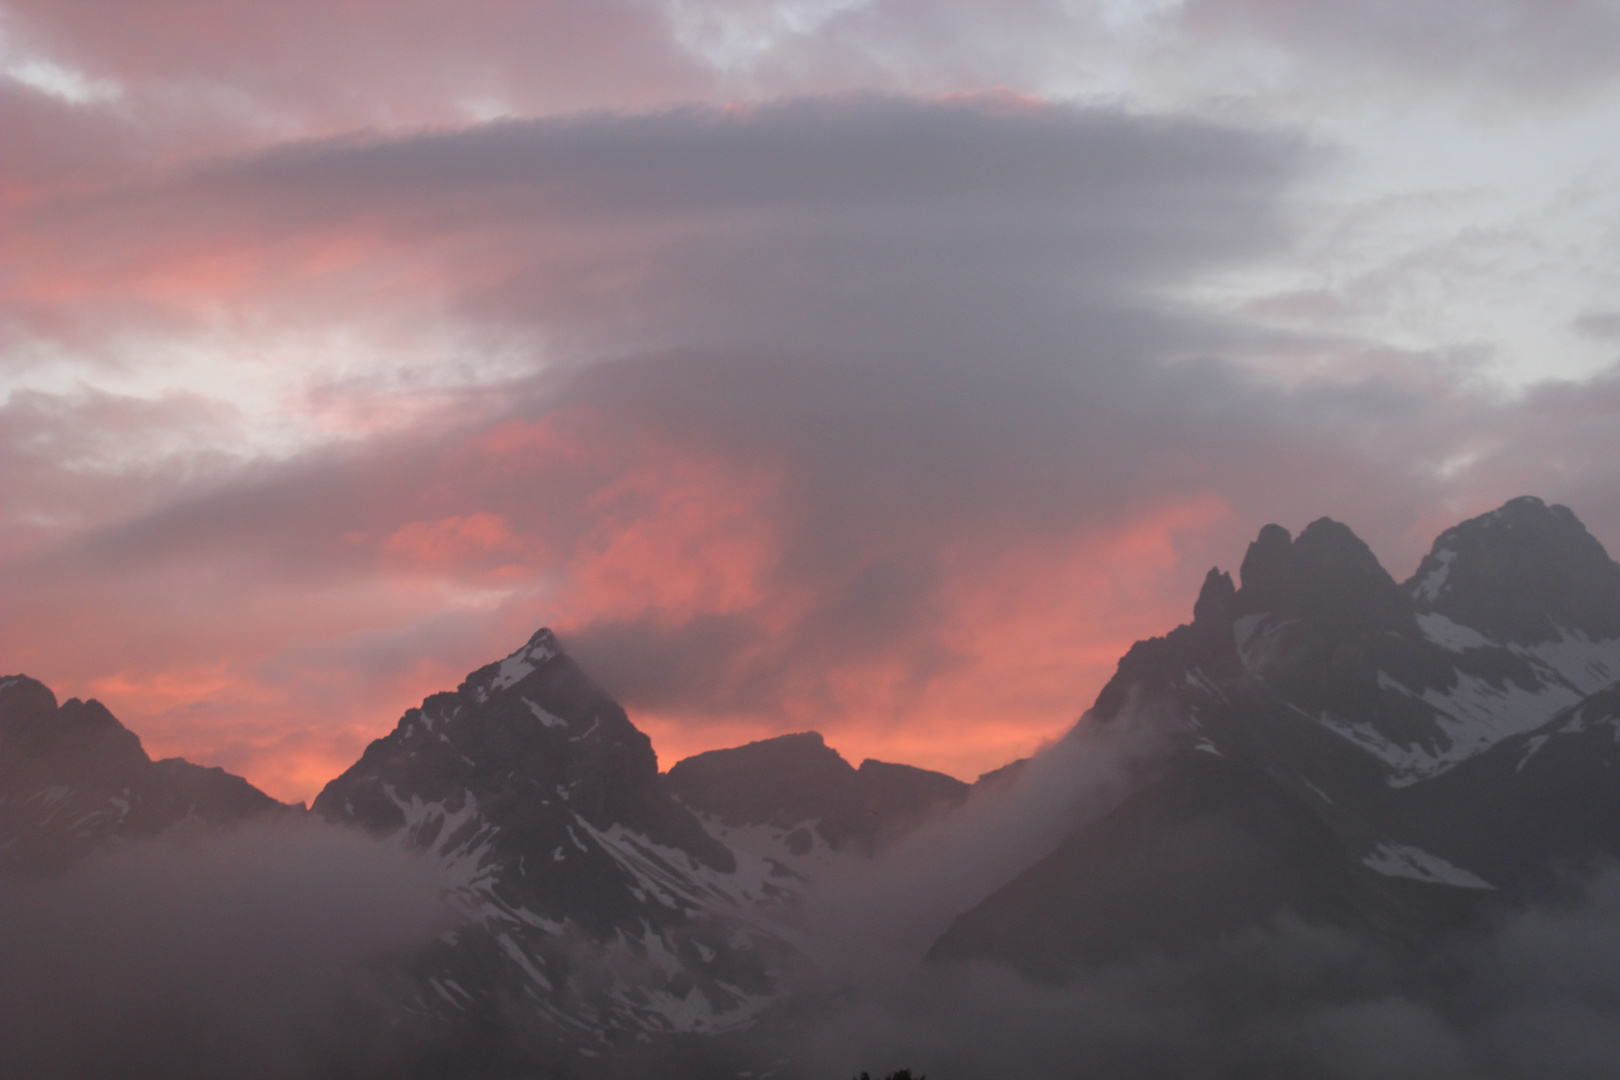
597, 904
1328, 568
76, 736
1268, 558
1217, 600
1514, 615
504, 674
1440, 747
532, 726
74, 779
1524, 573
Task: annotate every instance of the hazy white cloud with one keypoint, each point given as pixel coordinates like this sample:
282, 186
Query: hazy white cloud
1499, 49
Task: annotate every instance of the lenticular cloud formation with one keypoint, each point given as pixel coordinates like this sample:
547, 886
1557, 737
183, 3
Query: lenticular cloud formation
801, 467
840, 366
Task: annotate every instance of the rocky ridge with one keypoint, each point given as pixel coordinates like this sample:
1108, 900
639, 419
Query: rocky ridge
73, 780
597, 907
796, 800
1391, 758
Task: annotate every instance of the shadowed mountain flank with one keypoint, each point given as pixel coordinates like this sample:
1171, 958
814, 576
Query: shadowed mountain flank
73, 779
597, 908
1393, 760
799, 783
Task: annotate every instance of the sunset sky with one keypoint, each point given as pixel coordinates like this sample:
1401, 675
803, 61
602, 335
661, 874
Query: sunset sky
881, 367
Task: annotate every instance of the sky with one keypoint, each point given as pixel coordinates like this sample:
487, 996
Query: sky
877, 367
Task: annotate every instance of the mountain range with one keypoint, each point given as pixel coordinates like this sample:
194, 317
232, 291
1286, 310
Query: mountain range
1401, 762
1392, 757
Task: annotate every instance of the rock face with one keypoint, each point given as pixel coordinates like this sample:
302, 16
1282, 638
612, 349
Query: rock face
798, 786
1527, 574
598, 909
74, 779
1389, 758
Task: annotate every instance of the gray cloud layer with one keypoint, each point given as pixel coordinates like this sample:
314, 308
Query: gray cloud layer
1534, 996
261, 952
938, 326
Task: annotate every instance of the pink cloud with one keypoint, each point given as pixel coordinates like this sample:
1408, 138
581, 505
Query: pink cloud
305, 67
868, 416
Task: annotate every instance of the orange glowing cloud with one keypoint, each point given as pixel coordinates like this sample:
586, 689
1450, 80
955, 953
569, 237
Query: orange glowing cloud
779, 422
680, 538
453, 539
1023, 637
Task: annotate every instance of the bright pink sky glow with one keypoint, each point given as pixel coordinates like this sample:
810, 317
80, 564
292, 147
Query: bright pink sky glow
883, 369
289, 687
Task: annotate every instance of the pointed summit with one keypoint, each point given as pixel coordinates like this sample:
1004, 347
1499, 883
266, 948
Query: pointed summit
1521, 574
531, 723
597, 906
1269, 568
1327, 570
1217, 600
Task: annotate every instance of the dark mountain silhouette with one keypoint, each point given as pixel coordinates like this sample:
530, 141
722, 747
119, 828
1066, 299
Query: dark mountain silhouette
798, 784
74, 779
1391, 759
597, 907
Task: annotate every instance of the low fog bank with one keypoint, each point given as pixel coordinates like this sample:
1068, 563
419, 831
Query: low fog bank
1536, 995
864, 916
261, 952
1532, 994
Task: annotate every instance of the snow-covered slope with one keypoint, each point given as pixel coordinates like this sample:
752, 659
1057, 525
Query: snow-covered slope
1454, 735
598, 909
1512, 617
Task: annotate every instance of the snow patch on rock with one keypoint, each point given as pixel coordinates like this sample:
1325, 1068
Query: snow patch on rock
1471, 717
1451, 636
547, 718
1533, 744
1404, 860
1434, 582
1587, 665
462, 843
515, 668
1258, 641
